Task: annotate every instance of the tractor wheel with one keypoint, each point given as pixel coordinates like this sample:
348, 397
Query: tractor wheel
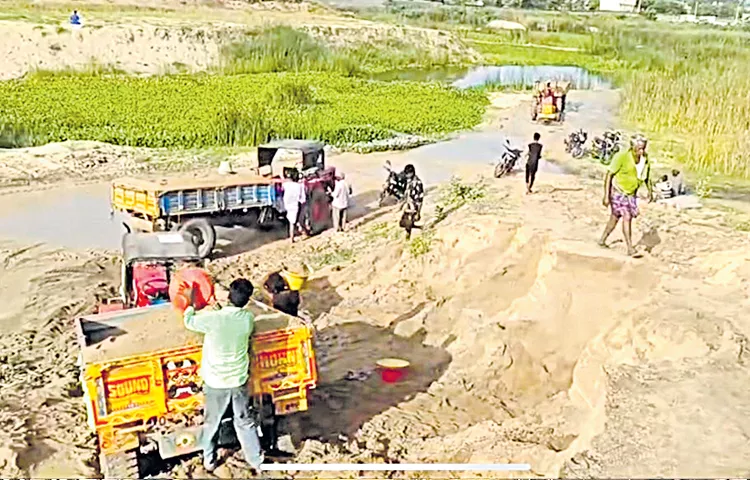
120, 465
319, 212
202, 233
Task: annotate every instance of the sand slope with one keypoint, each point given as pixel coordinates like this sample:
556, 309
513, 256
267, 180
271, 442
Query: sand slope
532, 344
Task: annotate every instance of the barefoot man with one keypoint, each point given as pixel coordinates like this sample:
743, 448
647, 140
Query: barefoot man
627, 172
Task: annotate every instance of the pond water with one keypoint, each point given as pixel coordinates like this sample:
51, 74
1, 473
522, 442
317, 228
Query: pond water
504, 75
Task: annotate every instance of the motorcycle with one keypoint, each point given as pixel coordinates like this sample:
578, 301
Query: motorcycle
606, 146
394, 186
575, 143
507, 161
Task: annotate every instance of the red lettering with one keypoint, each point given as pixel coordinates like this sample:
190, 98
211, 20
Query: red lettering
130, 386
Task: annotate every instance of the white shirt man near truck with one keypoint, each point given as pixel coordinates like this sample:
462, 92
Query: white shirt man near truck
342, 192
225, 371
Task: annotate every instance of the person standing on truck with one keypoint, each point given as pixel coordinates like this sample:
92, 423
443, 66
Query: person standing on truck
294, 200
224, 368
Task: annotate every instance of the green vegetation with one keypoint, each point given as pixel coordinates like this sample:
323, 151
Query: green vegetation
685, 86
691, 88
457, 194
199, 111
421, 244
329, 255
285, 49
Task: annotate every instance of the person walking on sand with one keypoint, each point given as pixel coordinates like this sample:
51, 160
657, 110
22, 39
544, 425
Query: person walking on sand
412, 203
342, 192
628, 170
294, 200
224, 369
532, 162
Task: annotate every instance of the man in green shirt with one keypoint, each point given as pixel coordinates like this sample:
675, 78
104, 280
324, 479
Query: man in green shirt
628, 171
224, 367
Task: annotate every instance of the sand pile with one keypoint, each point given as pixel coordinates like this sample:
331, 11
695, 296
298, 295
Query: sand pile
147, 332
41, 412
511, 309
523, 332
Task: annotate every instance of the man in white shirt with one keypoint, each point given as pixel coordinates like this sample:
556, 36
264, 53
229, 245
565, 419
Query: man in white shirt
340, 204
294, 197
664, 188
678, 183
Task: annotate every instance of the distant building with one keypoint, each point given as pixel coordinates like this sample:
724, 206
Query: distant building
618, 5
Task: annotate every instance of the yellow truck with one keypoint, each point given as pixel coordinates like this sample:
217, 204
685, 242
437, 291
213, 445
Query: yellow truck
196, 205
142, 388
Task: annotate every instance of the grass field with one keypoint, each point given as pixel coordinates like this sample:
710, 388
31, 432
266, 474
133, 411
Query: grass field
686, 86
238, 110
285, 49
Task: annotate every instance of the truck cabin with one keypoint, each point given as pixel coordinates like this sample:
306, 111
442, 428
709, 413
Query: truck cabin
311, 163
148, 260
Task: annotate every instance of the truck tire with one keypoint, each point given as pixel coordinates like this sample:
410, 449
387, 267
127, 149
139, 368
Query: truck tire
266, 218
120, 465
319, 212
202, 233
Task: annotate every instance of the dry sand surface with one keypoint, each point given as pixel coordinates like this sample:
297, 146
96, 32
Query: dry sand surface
532, 344
42, 421
163, 40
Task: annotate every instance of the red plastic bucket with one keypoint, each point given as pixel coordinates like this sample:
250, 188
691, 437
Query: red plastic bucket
392, 370
191, 278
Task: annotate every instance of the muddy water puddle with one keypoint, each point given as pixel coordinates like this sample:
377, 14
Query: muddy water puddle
72, 217
78, 217
513, 76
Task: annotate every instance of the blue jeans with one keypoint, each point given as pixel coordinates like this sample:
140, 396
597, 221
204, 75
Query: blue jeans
217, 401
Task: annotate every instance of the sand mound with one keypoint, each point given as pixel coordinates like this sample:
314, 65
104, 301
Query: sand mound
170, 43
520, 337
41, 413
513, 312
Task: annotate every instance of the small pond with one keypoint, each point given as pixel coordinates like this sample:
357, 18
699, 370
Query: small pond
504, 75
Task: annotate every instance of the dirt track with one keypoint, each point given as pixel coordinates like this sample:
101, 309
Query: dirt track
529, 344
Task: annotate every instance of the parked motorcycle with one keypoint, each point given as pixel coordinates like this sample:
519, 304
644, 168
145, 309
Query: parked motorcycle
575, 143
606, 146
507, 161
394, 186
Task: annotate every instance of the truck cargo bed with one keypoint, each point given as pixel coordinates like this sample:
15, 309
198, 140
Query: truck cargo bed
139, 331
192, 195
213, 180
